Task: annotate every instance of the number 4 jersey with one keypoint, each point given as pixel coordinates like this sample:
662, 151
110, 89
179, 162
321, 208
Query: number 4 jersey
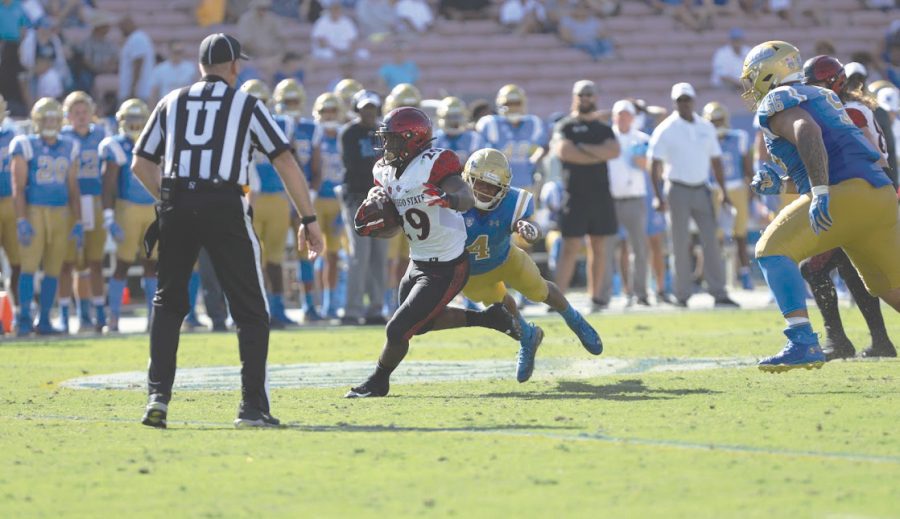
489, 232
435, 233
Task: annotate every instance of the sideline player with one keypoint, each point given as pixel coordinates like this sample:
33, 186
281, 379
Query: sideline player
453, 133
519, 135
79, 112
346, 89
271, 209
7, 210
496, 263
127, 207
48, 208
828, 72
737, 166
425, 185
846, 198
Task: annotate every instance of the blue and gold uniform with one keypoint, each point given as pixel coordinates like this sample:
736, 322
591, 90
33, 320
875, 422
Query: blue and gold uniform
134, 204
517, 141
463, 144
495, 262
90, 185
271, 209
328, 209
735, 144
863, 204
7, 210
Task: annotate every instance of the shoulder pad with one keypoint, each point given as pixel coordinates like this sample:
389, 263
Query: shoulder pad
446, 164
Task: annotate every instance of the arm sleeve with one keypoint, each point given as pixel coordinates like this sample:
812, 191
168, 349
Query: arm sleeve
267, 135
20, 146
111, 151
858, 118
151, 143
446, 164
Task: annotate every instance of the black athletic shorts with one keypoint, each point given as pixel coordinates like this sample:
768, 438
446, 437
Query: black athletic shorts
425, 291
593, 214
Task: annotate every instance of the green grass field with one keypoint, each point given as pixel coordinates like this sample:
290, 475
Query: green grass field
717, 443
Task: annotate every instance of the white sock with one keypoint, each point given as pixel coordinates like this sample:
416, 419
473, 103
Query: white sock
98, 301
797, 321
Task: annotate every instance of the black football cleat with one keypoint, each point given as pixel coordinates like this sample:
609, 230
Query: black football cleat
155, 412
253, 417
368, 389
883, 348
838, 349
501, 320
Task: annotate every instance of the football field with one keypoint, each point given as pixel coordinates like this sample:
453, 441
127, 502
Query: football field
673, 420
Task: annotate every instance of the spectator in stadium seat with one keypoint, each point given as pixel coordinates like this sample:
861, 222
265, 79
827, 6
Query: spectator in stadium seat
234, 9
400, 69
43, 55
294, 67
605, 8
173, 73
334, 35
728, 61
136, 60
584, 31
13, 25
376, 18
70, 13
523, 16
96, 54
463, 9
679, 10
259, 31
415, 14
788, 10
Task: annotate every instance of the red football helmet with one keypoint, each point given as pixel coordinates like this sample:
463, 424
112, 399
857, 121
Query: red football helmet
824, 71
404, 133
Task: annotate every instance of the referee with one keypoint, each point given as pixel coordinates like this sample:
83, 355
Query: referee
203, 135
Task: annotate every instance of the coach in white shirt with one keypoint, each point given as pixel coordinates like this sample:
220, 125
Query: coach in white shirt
173, 73
628, 186
682, 149
136, 61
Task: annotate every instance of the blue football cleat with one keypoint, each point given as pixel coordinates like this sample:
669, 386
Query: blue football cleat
586, 333
532, 337
801, 351
44, 328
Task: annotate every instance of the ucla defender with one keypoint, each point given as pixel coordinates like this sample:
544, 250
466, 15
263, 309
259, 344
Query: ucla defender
328, 112
846, 199
425, 185
346, 89
519, 135
79, 111
271, 209
453, 133
7, 210
127, 207
737, 166
48, 208
496, 263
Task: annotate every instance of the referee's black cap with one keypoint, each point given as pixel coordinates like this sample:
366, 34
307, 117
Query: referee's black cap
220, 48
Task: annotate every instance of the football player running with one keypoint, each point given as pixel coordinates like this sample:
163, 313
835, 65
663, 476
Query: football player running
519, 135
737, 166
453, 133
271, 209
426, 186
48, 208
828, 72
127, 207
290, 99
79, 111
846, 198
496, 263
7, 210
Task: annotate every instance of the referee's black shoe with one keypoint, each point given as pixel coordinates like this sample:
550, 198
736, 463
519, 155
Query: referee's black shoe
155, 412
253, 417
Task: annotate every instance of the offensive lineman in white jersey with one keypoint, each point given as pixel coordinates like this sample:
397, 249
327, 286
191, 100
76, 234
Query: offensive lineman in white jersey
426, 186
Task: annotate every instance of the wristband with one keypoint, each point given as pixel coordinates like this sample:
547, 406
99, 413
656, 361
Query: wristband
819, 190
306, 220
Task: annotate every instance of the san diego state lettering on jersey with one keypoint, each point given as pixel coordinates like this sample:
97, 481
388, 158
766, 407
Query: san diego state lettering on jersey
304, 131
516, 142
89, 181
464, 144
332, 164
48, 168
269, 181
735, 145
850, 154
6, 137
118, 149
435, 233
488, 232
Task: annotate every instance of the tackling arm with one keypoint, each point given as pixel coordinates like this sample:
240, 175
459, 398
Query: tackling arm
799, 128
459, 192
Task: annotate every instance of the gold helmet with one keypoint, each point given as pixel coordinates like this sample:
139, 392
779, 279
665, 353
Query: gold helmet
3, 108
511, 94
289, 97
47, 117
451, 115
716, 111
346, 88
329, 101
489, 166
257, 89
875, 86
132, 116
767, 66
406, 94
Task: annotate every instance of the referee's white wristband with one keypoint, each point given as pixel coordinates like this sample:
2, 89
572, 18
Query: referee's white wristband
819, 190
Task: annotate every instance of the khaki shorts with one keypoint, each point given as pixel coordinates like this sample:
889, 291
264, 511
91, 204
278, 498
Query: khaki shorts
9, 236
51, 239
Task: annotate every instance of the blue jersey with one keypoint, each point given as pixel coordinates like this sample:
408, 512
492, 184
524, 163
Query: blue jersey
850, 154
89, 182
48, 168
516, 142
119, 149
735, 145
304, 131
464, 144
269, 181
488, 232
6, 137
331, 162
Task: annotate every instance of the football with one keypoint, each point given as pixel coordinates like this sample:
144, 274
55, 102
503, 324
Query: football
377, 217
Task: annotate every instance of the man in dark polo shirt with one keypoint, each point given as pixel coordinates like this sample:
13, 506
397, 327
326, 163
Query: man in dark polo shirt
584, 144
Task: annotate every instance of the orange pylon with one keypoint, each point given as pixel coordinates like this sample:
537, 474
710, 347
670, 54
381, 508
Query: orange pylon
126, 296
6, 312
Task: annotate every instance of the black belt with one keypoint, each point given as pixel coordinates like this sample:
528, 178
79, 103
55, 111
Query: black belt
189, 185
689, 186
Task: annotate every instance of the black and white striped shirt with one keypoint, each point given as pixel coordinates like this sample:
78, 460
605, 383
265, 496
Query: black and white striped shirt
209, 130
